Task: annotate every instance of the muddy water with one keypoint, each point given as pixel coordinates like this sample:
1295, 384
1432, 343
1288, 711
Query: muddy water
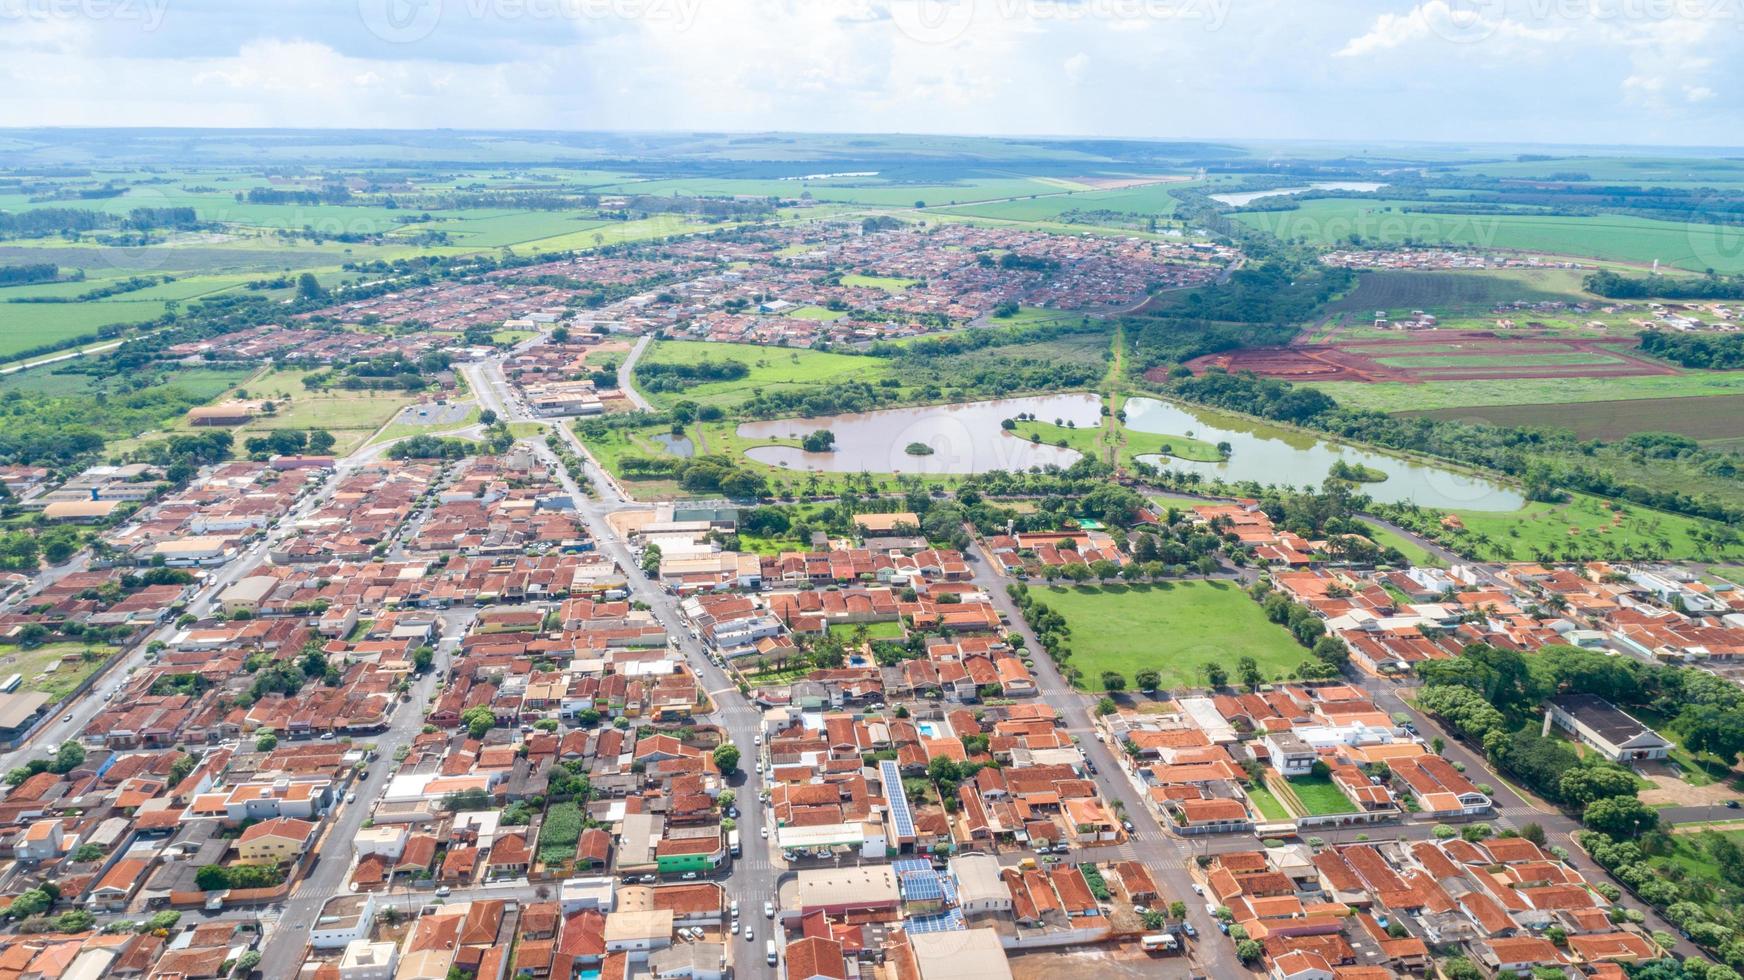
1244, 198
965, 438
1271, 455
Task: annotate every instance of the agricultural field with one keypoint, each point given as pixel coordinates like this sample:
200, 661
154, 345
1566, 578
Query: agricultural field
1717, 417
1328, 221
1173, 627
1463, 356
1437, 395
1148, 201
1400, 291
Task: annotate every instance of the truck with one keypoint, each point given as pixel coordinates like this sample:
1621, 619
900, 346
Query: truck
733, 842
1160, 942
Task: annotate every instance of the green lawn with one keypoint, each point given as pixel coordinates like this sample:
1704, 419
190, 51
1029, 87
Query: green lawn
1412, 551
816, 313
1174, 628
1266, 803
771, 369
874, 631
890, 284
1319, 796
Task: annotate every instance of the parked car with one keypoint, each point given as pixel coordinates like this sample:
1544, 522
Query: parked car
768, 910
1188, 928
689, 876
750, 934
735, 908
1126, 825
444, 892
1731, 804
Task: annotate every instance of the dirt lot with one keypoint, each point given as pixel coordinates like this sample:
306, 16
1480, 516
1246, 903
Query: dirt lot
1462, 355
1113, 961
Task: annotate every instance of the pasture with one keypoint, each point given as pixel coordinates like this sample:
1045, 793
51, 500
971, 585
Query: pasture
1585, 527
1434, 395
1399, 291
1617, 238
1173, 627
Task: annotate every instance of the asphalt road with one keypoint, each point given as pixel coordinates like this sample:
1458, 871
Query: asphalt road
288, 930
752, 881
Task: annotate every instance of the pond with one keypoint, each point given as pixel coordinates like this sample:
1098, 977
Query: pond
676, 445
1272, 455
1242, 199
964, 438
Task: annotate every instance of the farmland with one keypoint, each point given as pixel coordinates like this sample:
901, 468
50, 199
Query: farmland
1436, 395
1608, 237
1702, 419
1448, 356
1174, 628
1399, 291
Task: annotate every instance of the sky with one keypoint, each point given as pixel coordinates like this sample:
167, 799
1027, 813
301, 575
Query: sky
1547, 71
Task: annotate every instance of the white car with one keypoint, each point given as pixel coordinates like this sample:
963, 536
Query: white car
735, 908
763, 832
750, 936
351, 797
768, 910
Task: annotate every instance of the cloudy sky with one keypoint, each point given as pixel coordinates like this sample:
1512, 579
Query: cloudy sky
1575, 71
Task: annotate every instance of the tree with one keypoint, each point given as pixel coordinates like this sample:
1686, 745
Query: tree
1248, 669
1620, 816
1113, 681
1249, 950
1106, 706
423, 658
1215, 675
487, 417
478, 719
1460, 968
74, 920
32, 901
1148, 679
727, 758
1533, 832
308, 287
246, 963
211, 878
266, 741
70, 756
1583, 785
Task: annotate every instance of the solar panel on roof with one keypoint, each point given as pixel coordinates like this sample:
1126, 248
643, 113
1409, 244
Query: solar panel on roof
900, 814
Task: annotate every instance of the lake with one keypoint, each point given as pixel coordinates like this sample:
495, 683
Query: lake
1272, 455
1244, 198
965, 438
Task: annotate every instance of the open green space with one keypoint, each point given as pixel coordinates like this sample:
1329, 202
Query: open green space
771, 369
53, 668
1174, 628
1267, 804
816, 313
1583, 527
1413, 552
1319, 796
890, 284
874, 631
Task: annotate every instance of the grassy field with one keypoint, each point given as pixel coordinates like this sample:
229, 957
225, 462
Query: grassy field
772, 369
1174, 628
1151, 201
73, 666
352, 416
1267, 804
1610, 237
816, 313
1584, 526
1401, 291
1432, 395
1711, 418
1319, 796
874, 631
1412, 551
890, 284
